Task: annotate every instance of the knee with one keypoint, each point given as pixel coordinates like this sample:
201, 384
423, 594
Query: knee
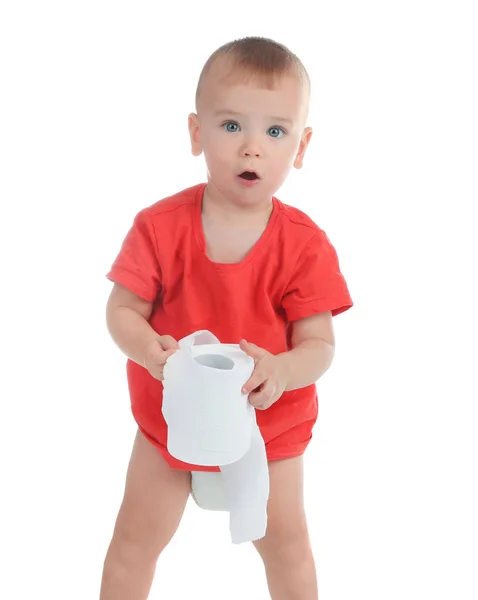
285, 548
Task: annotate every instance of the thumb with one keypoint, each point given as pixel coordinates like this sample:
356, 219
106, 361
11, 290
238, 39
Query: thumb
158, 353
252, 350
168, 343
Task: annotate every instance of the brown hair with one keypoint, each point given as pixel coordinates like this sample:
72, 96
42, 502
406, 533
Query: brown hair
256, 57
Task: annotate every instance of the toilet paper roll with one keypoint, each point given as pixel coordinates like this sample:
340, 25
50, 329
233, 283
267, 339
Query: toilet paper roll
211, 423
209, 419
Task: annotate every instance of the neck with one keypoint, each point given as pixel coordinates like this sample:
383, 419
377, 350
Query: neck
216, 204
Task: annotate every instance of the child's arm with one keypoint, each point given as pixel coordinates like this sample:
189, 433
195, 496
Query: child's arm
127, 319
313, 348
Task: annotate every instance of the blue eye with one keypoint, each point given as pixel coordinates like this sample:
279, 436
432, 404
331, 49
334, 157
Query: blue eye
276, 132
231, 127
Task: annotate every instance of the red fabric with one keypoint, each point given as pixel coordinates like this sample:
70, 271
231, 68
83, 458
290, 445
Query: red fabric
292, 272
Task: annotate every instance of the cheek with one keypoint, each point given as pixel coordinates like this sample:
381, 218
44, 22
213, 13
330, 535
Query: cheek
293, 150
218, 146
285, 155
217, 155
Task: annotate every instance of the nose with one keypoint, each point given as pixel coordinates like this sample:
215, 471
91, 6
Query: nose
251, 148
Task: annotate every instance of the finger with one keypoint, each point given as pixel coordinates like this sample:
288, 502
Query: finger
160, 356
167, 342
252, 350
264, 406
169, 353
157, 372
264, 396
255, 380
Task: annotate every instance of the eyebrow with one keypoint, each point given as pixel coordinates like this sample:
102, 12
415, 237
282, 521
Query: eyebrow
234, 113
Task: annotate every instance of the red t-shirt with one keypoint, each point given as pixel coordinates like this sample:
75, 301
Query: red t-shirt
292, 272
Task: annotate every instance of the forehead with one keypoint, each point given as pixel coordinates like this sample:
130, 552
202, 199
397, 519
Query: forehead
238, 90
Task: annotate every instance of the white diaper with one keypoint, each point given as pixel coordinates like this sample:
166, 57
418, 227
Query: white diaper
207, 490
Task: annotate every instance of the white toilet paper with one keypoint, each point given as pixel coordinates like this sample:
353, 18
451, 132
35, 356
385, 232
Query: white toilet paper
211, 423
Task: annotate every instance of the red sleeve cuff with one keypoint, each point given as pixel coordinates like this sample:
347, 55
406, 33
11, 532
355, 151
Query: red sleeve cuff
132, 282
336, 305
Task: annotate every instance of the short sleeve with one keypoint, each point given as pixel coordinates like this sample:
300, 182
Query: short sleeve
137, 266
316, 284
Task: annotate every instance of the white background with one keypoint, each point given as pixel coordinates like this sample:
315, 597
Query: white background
94, 104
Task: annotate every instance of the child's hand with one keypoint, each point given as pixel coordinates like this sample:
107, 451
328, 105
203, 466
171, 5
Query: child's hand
269, 378
157, 353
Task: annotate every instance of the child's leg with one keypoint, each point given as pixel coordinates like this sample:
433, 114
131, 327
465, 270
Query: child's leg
153, 504
285, 549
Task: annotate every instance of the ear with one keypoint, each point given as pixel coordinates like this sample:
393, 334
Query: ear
193, 125
304, 142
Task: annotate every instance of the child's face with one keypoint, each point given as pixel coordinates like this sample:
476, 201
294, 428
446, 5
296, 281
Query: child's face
245, 127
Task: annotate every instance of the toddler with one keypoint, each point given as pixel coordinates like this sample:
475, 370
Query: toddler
229, 257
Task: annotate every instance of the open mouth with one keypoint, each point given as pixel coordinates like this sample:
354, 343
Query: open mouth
249, 175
